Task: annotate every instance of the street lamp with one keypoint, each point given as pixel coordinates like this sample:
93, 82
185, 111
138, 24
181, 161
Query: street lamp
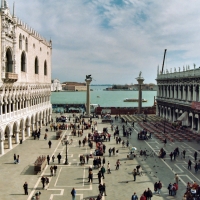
66, 159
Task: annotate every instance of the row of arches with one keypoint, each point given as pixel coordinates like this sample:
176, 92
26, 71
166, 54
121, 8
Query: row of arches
18, 130
10, 67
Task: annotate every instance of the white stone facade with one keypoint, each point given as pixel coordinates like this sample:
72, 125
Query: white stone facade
25, 83
56, 85
178, 96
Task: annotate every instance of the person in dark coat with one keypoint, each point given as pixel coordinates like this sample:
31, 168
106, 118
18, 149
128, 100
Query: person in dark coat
99, 176
49, 143
48, 159
25, 186
195, 156
43, 180
59, 158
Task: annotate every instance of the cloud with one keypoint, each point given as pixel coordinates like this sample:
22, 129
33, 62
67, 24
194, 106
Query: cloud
115, 39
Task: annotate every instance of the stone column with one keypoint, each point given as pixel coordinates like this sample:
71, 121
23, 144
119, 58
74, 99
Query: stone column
194, 93
33, 126
23, 134
41, 123
189, 93
184, 98
2, 145
17, 137
36, 123
88, 81
140, 80
28, 130
10, 140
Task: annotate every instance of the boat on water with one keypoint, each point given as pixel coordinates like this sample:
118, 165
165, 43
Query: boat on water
134, 100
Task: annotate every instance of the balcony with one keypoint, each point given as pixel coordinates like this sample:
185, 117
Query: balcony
11, 77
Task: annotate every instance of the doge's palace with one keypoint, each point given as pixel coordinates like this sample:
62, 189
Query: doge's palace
25, 83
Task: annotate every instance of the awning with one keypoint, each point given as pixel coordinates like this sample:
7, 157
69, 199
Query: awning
183, 117
190, 114
180, 111
176, 110
196, 116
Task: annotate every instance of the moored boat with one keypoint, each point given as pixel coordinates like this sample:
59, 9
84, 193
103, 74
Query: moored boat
134, 100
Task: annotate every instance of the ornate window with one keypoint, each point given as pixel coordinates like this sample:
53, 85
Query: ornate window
23, 62
36, 66
45, 67
20, 41
9, 62
26, 44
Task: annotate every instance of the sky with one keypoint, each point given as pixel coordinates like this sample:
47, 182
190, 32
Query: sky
113, 40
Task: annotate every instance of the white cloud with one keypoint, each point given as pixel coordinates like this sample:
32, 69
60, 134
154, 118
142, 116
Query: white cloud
114, 41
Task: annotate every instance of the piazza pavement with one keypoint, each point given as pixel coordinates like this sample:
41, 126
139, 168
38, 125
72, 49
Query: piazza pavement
119, 184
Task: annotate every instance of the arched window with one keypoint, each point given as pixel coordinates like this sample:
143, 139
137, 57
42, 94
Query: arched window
23, 62
9, 62
20, 41
45, 67
36, 66
26, 44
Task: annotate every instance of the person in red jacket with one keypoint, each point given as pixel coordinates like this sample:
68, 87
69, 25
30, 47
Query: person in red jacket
143, 197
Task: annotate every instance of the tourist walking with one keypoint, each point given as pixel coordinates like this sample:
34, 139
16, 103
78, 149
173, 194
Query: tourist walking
170, 189
49, 143
155, 187
184, 152
134, 174
43, 181
189, 164
149, 194
159, 187
15, 158
25, 186
103, 171
108, 168
104, 189
55, 169
73, 193
48, 159
176, 178
51, 170
99, 176
134, 196
195, 156
165, 142
59, 158
117, 164
53, 157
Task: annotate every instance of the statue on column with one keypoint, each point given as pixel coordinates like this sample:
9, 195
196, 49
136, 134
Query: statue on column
140, 74
88, 76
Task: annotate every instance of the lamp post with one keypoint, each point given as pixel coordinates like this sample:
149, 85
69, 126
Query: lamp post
66, 159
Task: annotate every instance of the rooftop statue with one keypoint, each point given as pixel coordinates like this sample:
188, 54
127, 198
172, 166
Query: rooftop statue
140, 74
88, 76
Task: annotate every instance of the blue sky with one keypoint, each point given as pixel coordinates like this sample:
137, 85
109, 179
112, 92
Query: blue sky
115, 39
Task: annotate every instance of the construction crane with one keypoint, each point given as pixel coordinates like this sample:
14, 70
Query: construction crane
164, 60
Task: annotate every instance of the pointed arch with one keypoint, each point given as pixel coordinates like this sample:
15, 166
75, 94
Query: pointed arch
36, 65
9, 61
45, 68
23, 62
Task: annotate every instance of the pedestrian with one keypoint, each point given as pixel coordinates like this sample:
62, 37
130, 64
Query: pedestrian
55, 169
87, 158
48, 159
99, 176
108, 168
134, 197
59, 158
43, 181
184, 152
103, 171
143, 197
51, 170
170, 189
155, 187
15, 158
47, 181
171, 155
196, 167
159, 187
149, 194
117, 164
53, 157
110, 151
195, 156
73, 193
165, 142
45, 136
25, 186
176, 178
104, 161
189, 164
90, 176
79, 142
104, 189
134, 174
49, 143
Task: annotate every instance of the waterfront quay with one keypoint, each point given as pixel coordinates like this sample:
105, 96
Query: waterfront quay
119, 184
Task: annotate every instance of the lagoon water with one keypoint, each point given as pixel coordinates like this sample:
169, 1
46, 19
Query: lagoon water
103, 98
